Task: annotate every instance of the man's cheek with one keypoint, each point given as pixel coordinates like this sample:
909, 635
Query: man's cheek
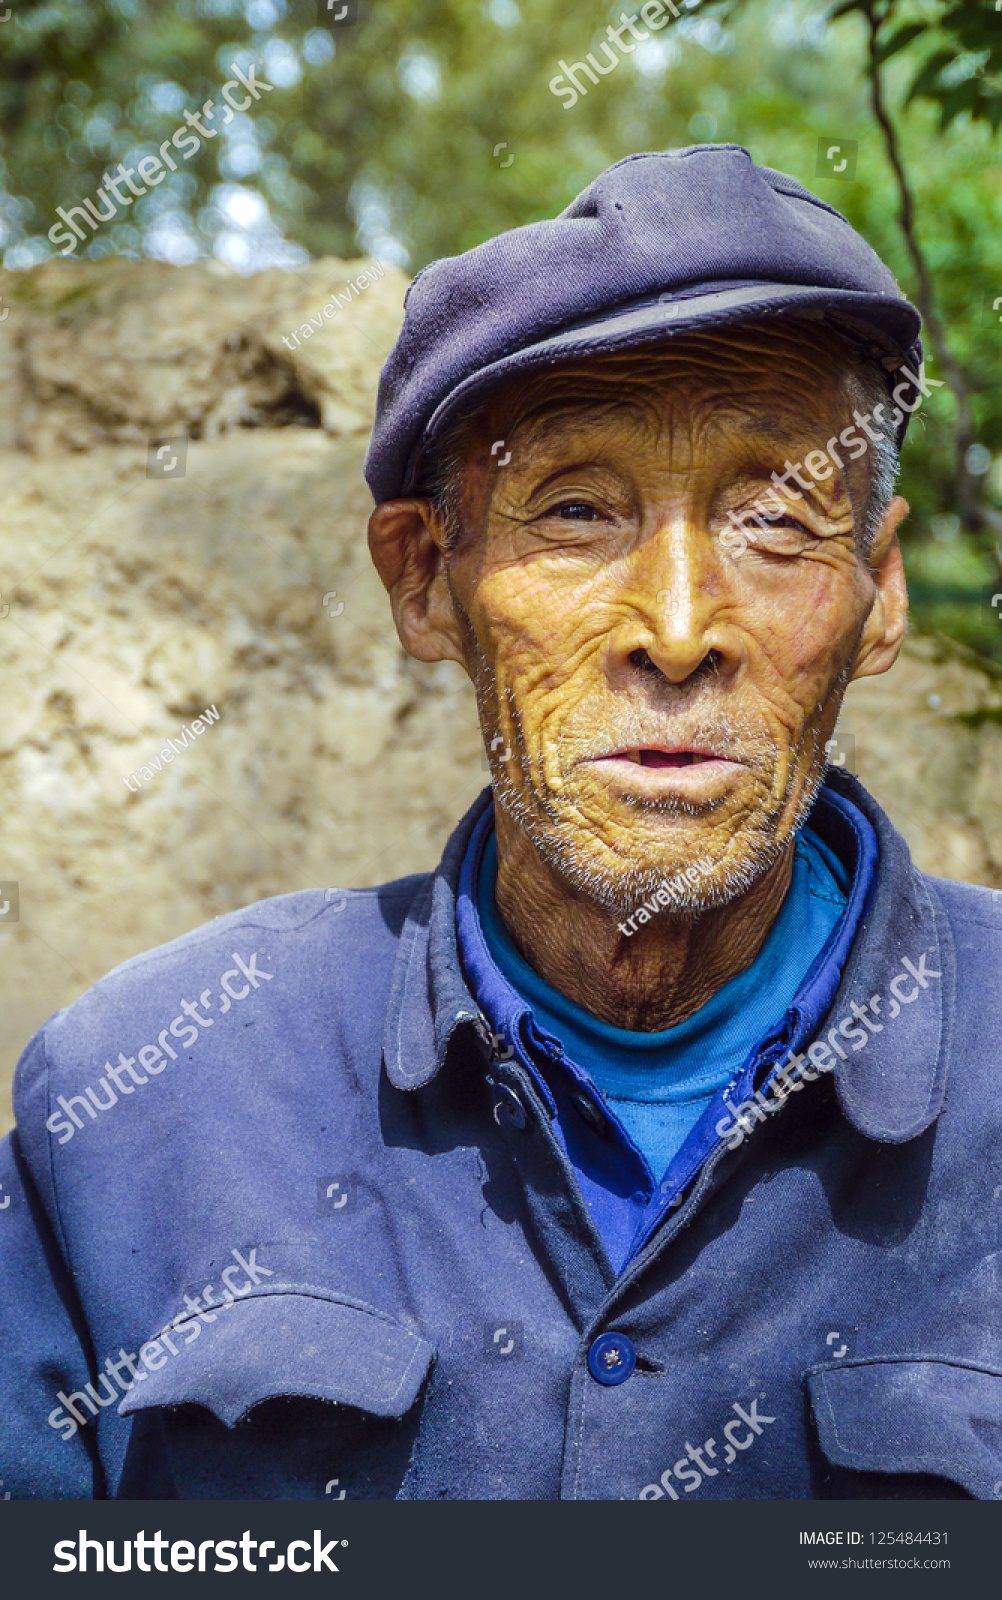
548, 696
544, 638
548, 586
806, 660
836, 607
551, 694
810, 644
788, 707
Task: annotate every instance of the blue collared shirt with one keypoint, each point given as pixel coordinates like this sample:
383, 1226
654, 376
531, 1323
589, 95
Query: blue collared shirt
782, 992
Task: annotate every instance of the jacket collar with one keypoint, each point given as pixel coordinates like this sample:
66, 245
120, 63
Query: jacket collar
891, 1087
429, 998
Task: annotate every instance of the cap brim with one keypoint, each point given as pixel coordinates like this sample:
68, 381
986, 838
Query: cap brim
893, 324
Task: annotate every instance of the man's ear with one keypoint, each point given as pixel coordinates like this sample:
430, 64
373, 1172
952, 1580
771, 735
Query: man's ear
406, 539
887, 623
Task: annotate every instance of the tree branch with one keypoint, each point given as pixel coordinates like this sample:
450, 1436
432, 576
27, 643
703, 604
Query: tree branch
967, 489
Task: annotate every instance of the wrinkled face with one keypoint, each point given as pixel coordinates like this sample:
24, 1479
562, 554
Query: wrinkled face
661, 644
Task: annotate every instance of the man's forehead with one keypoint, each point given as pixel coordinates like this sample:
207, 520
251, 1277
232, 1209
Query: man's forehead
567, 420
766, 385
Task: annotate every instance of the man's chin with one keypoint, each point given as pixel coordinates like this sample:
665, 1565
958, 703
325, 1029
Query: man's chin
691, 887
687, 854
701, 868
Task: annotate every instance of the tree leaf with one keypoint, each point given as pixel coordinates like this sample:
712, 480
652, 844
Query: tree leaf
925, 81
899, 40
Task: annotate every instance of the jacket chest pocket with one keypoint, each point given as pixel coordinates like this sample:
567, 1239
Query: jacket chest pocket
286, 1396
928, 1428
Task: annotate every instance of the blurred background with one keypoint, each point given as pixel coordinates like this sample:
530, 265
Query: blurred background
379, 135
416, 128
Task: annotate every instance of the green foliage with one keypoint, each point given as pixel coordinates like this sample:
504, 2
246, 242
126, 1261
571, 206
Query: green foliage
960, 55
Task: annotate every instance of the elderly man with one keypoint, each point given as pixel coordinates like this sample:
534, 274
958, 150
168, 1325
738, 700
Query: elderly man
613, 1159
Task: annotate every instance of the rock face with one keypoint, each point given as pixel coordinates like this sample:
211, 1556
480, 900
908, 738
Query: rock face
136, 594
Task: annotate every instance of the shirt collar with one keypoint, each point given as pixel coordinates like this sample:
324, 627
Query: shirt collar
891, 1089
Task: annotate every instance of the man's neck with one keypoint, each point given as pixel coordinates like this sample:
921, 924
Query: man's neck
645, 981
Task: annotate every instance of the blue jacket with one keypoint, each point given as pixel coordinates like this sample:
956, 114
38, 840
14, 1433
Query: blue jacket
277, 1222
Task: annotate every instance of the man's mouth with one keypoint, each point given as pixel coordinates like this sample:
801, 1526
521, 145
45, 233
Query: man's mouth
654, 756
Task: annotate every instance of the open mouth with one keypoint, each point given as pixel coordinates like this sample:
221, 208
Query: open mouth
648, 757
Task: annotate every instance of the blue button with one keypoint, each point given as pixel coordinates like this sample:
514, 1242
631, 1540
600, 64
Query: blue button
611, 1358
508, 1108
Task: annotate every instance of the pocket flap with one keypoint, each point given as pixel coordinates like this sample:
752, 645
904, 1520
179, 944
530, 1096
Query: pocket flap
274, 1344
907, 1414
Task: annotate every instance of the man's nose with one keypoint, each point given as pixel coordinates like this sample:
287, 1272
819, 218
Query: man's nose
677, 608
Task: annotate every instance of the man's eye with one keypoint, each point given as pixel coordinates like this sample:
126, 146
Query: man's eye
574, 511
766, 524
779, 534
